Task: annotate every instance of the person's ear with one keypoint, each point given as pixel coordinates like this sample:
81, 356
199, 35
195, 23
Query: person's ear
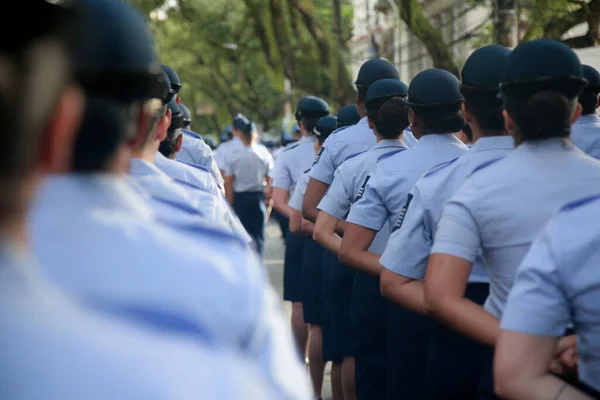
598, 103
466, 114
163, 126
577, 113
179, 143
57, 140
371, 123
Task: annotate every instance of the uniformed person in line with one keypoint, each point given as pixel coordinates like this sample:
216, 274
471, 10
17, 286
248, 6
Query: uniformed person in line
347, 116
172, 200
586, 130
99, 356
294, 160
388, 117
224, 151
504, 205
558, 284
338, 147
405, 258
434, 101
246, 179
99, 241
314, 280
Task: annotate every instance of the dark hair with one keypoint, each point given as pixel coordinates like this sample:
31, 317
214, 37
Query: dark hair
361, 93
486, 108
106, 123
442, 118
589, 102
546, 114
468, 132
167, 146
310, 124
392, 118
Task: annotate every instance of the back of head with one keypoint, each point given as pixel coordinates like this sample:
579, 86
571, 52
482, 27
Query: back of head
348, 115
168, 147
116, 66
245, 126
589, 98
35, 70
310, 110
381, 91
392, 119
325, 127
372, 71
434, 96
481, 77
173, 79
540, 94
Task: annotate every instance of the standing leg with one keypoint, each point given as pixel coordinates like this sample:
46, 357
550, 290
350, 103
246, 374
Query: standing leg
299, 328
315, 356
337, 389
348, 380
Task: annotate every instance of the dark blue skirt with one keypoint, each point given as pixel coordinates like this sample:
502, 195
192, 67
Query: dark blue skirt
312, 282
455, 361
342, 280
369, 316
409, 335
292, 268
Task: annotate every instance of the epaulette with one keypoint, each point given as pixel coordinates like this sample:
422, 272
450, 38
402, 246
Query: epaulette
191, 134
438, 167
200, 167
391, 153
580, 202
354, 155
486, 164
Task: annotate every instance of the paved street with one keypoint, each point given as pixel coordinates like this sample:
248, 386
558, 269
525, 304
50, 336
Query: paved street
274, 250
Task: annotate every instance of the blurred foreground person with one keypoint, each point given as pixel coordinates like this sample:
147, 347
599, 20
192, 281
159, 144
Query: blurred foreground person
52, 348
99, 240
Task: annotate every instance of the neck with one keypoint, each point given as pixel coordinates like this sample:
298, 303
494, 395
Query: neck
478, 133
14, 229
360, 109
119, 164
147, 152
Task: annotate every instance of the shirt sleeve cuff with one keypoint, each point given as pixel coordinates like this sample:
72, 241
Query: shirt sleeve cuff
371, 223
453, 249
321, 176
331, 209
390, 262
531, 322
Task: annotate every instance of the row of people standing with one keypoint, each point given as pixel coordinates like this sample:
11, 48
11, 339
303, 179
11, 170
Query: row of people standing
125, 273
423, 266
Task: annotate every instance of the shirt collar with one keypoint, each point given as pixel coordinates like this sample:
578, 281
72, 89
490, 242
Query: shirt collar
363, 121
552, 144
493, 143
389, 143
139, 167
438, 138
588, 119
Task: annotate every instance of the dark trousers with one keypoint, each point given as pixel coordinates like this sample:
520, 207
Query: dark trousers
455, 361
251, 209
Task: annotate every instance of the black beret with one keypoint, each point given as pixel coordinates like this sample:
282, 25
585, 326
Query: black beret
434, 87
383, 90
114, 52
325, 126
173, 78
542, 65
313, 107
592, 75
484, 69
348, 115
374, 70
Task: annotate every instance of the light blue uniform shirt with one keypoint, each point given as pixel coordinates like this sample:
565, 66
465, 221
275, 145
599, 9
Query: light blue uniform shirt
299, 191
558, 284
172, 199
585, 134
99, 241
408, 249
292, 162
408, 138
195, 151
503, 207
223, 152
340, 145
394, 176
193, 175
53, 349
350, 182
249, 166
